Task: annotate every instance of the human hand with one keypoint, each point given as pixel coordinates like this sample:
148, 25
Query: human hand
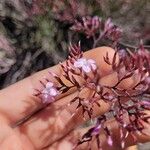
53, 128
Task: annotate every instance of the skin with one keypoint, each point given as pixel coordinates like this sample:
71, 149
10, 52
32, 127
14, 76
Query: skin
54, 128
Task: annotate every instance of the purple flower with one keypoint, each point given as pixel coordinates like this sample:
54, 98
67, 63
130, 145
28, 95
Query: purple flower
122, 144
49, 93
96, 130
86, 65
108, 25
109, 140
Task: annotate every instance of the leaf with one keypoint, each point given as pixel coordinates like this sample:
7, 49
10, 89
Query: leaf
74, 99
106, 59
59, 81
114, 60
75, 81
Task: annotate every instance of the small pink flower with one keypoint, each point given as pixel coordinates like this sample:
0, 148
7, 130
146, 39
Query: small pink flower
122, 144
108, 25
109, 140
86, 65
49, 93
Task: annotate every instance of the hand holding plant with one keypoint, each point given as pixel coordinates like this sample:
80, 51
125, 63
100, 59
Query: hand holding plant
45, 110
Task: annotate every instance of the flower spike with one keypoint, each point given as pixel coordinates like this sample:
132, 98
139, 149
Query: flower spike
128, 114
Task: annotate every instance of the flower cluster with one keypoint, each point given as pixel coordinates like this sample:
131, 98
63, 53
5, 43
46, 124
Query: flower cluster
86, 65
129, 113
88, 25
49, 93
97, 28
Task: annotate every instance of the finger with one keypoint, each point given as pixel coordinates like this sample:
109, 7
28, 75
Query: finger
18, 101
134, 147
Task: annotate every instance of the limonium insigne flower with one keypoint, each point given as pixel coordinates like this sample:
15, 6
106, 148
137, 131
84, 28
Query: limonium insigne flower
49, 93
137, 97
98, 29
87, 65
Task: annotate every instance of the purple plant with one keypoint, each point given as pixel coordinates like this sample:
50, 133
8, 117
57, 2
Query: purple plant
97, 28
129, 114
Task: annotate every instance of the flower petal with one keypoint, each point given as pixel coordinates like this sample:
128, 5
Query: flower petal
109, 140
49, 85
45, 91
45, 98
91, 61
53, 92
77, 64
86, 68
48, 99
80, 62
93, 66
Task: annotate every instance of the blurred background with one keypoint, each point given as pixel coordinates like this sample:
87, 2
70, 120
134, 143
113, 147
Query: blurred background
35, 34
